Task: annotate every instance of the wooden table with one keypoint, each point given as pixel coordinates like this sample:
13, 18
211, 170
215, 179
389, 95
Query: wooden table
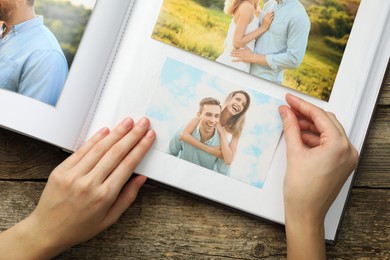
166, 224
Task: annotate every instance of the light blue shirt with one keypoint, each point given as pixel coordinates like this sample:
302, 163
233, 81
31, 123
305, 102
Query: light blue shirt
284, 44
32, 62
192, 154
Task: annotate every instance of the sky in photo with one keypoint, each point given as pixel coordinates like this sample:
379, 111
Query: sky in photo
176, 102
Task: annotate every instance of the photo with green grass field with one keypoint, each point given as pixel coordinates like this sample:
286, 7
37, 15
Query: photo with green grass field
200, 27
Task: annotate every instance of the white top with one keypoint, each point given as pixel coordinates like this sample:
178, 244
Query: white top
225, 57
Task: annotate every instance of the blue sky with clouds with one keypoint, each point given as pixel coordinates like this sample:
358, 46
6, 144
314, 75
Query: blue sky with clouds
175, 103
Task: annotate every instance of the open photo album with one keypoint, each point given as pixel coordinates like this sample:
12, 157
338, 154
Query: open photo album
209, 80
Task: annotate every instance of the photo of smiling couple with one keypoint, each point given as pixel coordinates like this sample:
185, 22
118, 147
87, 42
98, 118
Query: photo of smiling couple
212, 125
261, 41
295, 43
210, 139
253, 46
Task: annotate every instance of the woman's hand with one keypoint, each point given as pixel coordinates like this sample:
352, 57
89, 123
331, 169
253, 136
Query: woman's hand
267, 20
85, 194
319, 160
215, 151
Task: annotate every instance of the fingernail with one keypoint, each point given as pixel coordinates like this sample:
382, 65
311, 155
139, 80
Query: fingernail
143, 121
103, 131
282, 111
127, 122
150, 134
141, 180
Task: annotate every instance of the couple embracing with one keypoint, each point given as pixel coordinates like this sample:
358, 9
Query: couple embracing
265, 42
211, 138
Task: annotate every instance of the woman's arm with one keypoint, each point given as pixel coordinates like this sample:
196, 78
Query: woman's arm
186, 136
319, 160
228, 149
84, 195
245, 16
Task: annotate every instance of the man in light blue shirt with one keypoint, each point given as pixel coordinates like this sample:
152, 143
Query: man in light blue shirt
283, 46
31, 60
206, 132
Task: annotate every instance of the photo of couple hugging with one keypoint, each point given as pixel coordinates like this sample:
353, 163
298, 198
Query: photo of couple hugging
223, 127
248, 46
298, 44
210, 139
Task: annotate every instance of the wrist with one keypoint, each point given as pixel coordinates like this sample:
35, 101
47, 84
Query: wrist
261, 30
24, 241
305, 237
39, 242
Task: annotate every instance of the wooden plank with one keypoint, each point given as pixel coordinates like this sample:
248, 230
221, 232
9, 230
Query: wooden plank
164, 224
385, 93
22, 157
374, 166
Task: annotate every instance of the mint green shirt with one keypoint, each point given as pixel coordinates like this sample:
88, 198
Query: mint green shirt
284, 44
192, 154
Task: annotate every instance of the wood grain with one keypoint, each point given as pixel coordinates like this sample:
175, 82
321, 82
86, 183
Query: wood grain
163, 224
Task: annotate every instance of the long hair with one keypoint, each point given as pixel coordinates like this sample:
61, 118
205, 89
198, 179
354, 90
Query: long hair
231, 6
236, 123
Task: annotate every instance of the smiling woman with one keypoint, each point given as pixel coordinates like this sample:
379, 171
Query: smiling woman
248, 130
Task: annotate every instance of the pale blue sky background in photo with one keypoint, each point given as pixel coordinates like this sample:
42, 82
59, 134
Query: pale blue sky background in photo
175, 103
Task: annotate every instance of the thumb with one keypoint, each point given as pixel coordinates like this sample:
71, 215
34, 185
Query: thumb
291, 129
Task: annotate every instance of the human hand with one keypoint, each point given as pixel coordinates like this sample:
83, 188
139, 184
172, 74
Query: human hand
243, 54
220, 129
267, 20
89, 191
215, 151
319, 160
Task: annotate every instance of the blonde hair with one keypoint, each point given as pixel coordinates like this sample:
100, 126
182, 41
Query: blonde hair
236, 123
231, 6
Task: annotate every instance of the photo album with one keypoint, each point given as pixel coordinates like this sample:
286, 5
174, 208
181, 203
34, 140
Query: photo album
210, 85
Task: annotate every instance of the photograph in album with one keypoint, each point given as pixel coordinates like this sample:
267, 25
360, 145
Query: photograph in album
296, 43
37, 53
227, 128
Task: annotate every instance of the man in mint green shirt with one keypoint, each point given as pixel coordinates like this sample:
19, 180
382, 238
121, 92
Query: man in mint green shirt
206, 132
283, 46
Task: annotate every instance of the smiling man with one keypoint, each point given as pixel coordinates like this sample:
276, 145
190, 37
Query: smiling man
208, 115
31, 60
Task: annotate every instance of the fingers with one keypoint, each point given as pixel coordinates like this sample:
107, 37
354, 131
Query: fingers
311, 140
336, 123
84, 149
306, 125
127, 166
89, 161
291, 129
319, 117
128, 151
126, 197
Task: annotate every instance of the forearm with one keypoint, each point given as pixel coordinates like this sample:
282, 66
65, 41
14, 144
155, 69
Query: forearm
189, 139
259, 59
249, 37
25, 241
227, 153
305, 238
